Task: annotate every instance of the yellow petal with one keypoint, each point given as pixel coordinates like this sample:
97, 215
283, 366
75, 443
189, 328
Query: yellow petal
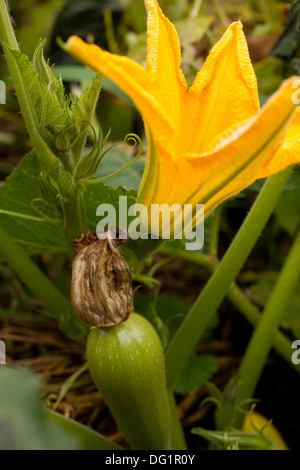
150, 177
224, 92
288, 153
211, 178
164, 60
132, 77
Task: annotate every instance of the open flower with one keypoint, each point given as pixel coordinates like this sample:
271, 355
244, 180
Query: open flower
210, 141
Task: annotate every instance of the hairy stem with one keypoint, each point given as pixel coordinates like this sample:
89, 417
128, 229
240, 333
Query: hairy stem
7, 33
39, 136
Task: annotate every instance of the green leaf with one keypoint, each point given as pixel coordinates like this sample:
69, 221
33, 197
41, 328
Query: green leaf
116, 159
294, 180
198, 370
23, 422
82, 112
292, 183
45, 72
89, 439
20, 218
170, 310
97, 194
23, 219
39, 107
85, 104
50, 116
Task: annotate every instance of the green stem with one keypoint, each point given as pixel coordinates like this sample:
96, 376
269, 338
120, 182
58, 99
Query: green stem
177, 435
109, 30
54, 301
199, 317
221, 13
260, 344
7, 33
195, 10
74, 220
236, 296
40, 137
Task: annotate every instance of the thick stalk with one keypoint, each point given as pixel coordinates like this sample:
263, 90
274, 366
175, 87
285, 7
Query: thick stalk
177, 434
7, 33
260, 344
39, 136
212, 295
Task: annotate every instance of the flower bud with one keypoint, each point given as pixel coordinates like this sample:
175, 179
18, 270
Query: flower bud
63, 141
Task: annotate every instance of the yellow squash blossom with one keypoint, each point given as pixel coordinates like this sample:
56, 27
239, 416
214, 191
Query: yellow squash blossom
210, 141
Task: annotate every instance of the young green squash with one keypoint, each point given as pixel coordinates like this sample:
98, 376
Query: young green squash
127, 364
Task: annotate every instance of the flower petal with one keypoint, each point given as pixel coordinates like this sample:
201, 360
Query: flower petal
150, 176
132, 77
211, 178
164, 59
288, 153
224, 92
